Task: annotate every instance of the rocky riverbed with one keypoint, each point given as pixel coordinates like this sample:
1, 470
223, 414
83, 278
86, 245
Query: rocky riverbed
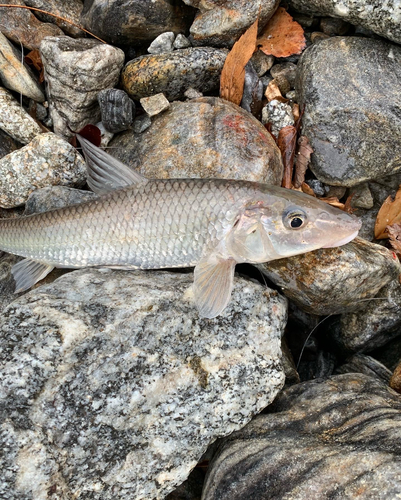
111, 385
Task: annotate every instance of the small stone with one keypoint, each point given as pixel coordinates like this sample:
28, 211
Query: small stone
266, 79
16, 75
283, 84
318, 36
117, 109
142, 123
335, 191
155, 104
15, 120
287, 70
333, 26
181, 42
47, 160
279, 114
163, 43
70, 10
262, 62
192, 94
291, 95
361, 196
253, 91
305, 21
317, 186
75, 71
360, 363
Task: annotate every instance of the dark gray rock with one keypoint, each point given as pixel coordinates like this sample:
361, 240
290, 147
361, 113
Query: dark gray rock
334, 27
360, 363
381, 17
49, 198
337, 438
173, 73
253, 91
287, 70
350, 88
7, 144
112, 387
117, 109
206, 137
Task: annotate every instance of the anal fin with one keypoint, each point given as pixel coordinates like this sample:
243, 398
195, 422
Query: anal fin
27, 272
213, 284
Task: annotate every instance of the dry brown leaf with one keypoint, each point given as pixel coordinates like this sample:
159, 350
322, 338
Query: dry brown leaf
286, 141
295, 111
394, 234
33, 59
273, 92
389, 214
333, 201
307, 189
233, 73
282, 36
303, 157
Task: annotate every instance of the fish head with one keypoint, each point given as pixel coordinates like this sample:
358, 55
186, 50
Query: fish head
284, 222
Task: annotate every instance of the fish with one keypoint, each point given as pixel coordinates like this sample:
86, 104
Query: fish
140, 223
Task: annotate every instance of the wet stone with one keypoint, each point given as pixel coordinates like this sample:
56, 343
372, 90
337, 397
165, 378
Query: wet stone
75, 72
351, 117
173, 73
70, 10
163, 43
337, 438
223, 141
155, 104
117, 109
115, 370
278, 114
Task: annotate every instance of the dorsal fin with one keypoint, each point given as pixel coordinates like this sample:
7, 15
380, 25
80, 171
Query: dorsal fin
106, 173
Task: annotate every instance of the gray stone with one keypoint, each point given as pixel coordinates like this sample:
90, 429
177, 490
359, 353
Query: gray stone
15, 120
317, 186
361, 196
162, 43
47, 160
117, 109
16, 75
278, 114
360, 363
335, 280
173, 73
337, 438
141, 124
113, 387
262, 62
155, 104
75, 71
70, 10
253, 91
181, 42
381, 17
351, 116
207, 137
287, 70
49, 198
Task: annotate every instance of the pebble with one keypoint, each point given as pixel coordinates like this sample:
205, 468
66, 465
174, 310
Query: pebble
337, 438
16, 75
334, 280
115, 369
117, 109
383, 18
223, 141
287, 70
253, 91
220, 24
70, 10
334, 27
7, 144
155, 104
278, 114
351, 116
173, 73
262, 62
15, 120
129, 23
317, 186
361, 196
163, 43
47, 160
181, 42
192, 94
142, 123
75, 72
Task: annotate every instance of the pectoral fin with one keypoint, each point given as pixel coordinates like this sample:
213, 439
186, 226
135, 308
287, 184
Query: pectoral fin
106, 173
27, 272
214, 278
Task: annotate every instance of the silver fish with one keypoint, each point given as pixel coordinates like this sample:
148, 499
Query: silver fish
137, 223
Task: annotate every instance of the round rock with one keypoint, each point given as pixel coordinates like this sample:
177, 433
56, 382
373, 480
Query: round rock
206, 138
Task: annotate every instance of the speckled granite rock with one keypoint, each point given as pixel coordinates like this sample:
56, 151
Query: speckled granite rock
360, 363
381, 17
221, 23
112, 386
15, 120
70, 10
334, 280
124, 22
223, 141
337, 438
278, 114
75, 71
15, 75
351, 117
47, 160
174, 72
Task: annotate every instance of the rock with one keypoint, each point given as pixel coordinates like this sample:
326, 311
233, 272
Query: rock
192, 94
22, 27
337, 438
317, 37
253, 91
361, 196
7, 144
70, 10
141, 124
75, 72
123, 22
163, 43
105, 135
155, 104
395, 381
173, 73
334, 27
335, 280
191, 489
220, 24
206, 137
181, 42
380, 17
49, 198
15, 75
287, 70
7, 283
117, 109
317, 186
360, 363
261, 62
113, 386
278, 114
47, 160
351, 117
15, 120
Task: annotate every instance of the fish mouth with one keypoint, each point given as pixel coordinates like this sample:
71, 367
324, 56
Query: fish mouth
343, 241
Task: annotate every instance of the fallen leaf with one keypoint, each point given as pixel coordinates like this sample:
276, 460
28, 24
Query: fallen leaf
233, 73
273, 92
302, 160
333, 201
389, 214
92, 133
394, 234
347, 204
295, 111
307, 189
33, 59
286, 142
282, 36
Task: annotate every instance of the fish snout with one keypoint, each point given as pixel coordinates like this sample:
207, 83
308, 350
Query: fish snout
345, 229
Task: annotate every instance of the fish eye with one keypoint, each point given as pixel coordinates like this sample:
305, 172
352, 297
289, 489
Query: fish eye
295, 219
